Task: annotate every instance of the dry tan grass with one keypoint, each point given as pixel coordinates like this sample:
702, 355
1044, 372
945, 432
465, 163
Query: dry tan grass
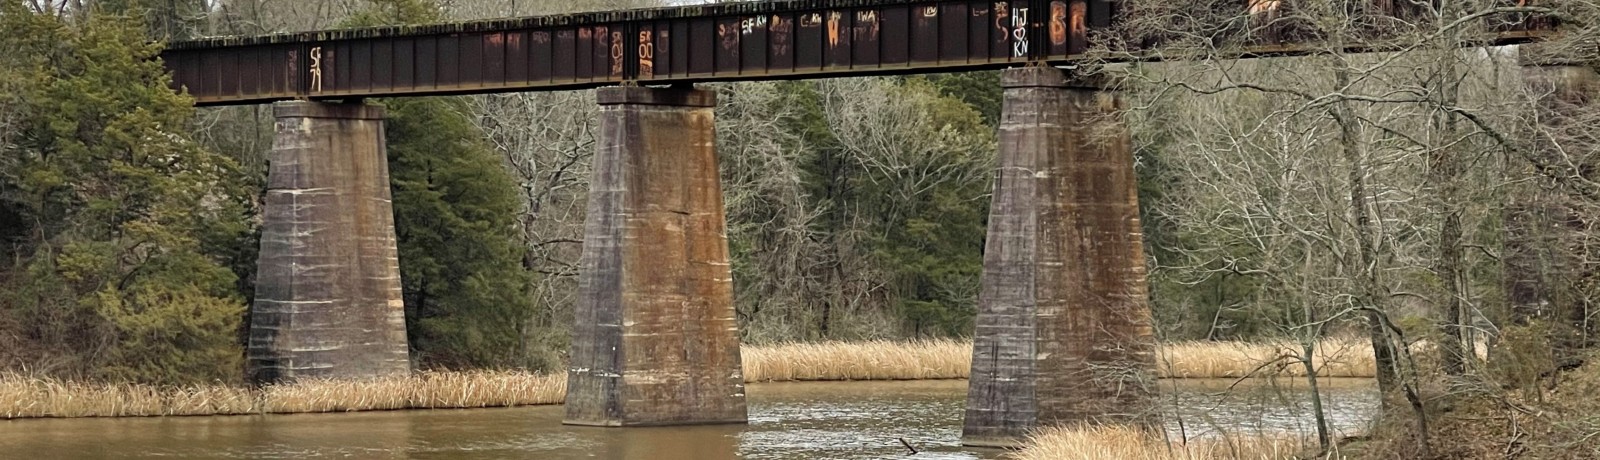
1122, 443
874, 360
426, 390
25, 397
1334, 357
949, 359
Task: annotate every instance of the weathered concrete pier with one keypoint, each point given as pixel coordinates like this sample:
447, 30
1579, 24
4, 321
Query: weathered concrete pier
328, 299
1543, 257
656, 341
1063, 326
1063, 330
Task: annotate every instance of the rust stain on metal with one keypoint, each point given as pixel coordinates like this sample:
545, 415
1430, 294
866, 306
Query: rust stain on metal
1002, 24
616, 54
732, 41
1078, 26
833, 28
728, 36
1058, 23
647, 55
780, 35
866, 25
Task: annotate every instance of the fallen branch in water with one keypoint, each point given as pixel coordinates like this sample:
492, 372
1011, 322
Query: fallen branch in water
908, 446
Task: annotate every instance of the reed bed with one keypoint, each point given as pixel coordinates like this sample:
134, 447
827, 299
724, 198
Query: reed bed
426, 390
25, 397
28, 397
951, 359
873, 360
1123, 443
1334, 357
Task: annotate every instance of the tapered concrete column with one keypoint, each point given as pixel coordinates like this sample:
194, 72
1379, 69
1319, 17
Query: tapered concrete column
656, 342
1542, 258
328, 280
1063, 326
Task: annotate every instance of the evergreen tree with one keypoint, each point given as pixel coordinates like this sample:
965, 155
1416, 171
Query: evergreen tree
918, 224
466, 293
831, 183
112, 276
935, 241
980, 90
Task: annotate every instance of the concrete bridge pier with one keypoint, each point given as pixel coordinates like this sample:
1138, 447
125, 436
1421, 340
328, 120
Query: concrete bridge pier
655, 340
1539, 219
1063, 326
328, 299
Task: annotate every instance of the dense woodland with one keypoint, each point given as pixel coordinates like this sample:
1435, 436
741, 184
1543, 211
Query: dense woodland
856, 207
1443, 202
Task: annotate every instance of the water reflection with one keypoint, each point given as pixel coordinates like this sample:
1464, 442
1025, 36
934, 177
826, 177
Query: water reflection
856, 420
654, 443
1202, 408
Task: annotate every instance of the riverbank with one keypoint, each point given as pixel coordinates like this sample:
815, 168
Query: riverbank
1106, 442
950, 359
27, 397
36, 398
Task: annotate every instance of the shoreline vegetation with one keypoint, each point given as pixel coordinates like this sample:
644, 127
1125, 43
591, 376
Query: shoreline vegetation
1126, 443
24, 396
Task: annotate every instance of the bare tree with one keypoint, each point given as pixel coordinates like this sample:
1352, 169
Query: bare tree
1342, 182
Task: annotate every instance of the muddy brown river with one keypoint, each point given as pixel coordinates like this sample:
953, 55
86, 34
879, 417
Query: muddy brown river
825, 420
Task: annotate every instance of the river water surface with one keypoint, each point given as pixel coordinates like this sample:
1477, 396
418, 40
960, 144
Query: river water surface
825, 420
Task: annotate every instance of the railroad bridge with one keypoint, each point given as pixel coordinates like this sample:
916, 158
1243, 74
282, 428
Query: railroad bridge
1063, 328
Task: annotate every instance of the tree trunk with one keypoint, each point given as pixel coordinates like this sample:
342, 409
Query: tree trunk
1445, 177
1367, 293
1454, 346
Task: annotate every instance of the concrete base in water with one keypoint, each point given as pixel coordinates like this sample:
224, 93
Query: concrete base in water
328, 299
1063, 326
655, 341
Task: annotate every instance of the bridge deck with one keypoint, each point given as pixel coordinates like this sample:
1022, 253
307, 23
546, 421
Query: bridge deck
731, 41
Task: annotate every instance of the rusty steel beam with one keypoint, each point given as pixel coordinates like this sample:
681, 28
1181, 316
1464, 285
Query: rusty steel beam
738, 41
733, 41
